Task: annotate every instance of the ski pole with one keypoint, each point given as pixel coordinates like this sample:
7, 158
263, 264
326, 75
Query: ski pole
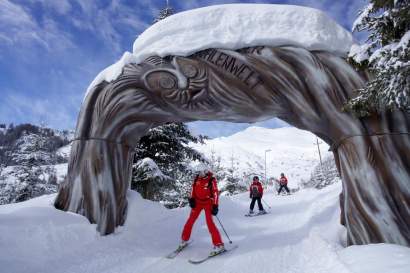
224, 229
266, 204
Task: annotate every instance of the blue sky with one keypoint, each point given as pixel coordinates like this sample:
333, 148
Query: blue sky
50, 50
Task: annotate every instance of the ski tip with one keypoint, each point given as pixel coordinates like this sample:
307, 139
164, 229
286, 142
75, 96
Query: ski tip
195, 262
232, 247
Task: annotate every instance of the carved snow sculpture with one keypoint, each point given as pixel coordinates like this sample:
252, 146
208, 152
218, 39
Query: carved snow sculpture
304, 87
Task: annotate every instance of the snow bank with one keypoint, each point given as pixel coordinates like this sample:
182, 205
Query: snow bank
64, 151
372, 258
300, 235
235, 26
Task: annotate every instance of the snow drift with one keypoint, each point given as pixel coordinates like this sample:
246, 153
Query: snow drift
300, 235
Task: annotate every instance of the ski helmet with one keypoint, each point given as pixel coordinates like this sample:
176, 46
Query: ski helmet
201, 169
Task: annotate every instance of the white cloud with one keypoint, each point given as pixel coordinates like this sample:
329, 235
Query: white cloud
5, 39
14, 14
18, 108
60, 6
22, 29
107, 22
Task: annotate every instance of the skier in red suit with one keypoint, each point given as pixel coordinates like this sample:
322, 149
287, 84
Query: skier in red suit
283, 182
256, 193
204, 196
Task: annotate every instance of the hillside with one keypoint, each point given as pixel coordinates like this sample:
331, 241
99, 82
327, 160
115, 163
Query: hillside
292, 152
36, 158
32, 161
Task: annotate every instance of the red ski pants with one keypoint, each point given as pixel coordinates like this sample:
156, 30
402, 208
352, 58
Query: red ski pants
186, 233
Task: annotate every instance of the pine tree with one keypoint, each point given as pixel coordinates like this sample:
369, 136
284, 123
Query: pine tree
323, 174
385, 54
147, 177
167, 147
233, 180
164, 13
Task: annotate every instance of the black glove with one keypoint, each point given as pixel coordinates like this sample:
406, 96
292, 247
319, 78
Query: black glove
214, 209
191, 202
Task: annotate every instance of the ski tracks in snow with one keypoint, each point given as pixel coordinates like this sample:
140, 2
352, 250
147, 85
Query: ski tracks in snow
300, 235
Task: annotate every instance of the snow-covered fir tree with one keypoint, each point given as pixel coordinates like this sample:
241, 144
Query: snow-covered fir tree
323, 174
215, 163
233, 182
166, 148
164, 13
28, 155
386, 54
21, 183
27, 143
147, 178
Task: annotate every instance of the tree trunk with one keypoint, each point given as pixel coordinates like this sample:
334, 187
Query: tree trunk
375, 172
97, 183
112, 119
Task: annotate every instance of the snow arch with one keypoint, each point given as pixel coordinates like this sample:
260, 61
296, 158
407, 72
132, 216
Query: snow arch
306, 88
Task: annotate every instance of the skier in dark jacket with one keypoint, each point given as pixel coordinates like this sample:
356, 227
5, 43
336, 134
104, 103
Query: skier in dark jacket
204, 196
256, 193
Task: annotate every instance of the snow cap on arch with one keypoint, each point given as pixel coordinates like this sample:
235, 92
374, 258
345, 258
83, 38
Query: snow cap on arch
234, 26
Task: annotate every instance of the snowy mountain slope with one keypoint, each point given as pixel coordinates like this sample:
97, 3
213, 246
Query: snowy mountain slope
32, 161
301, 234
292, 152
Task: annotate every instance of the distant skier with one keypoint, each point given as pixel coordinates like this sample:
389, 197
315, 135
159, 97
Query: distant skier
283, 182
256, 193
204, 196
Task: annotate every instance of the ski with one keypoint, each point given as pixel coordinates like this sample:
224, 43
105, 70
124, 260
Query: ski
201, 260
174, 253
255, 214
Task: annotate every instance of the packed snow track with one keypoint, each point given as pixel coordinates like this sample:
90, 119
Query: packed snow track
301, 234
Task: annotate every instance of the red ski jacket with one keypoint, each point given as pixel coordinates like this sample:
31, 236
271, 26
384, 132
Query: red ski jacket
259, 187
201, 191
283, 180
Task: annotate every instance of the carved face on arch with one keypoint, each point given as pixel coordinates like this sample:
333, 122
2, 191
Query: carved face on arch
195, 88
183, 85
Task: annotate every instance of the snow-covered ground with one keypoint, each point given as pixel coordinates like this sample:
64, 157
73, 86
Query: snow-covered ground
292, 151
64, 151
301, 234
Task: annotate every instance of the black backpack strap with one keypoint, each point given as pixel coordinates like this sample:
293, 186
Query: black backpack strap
210, 186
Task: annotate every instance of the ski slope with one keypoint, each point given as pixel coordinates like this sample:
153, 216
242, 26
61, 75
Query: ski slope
292, 151
301, 234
